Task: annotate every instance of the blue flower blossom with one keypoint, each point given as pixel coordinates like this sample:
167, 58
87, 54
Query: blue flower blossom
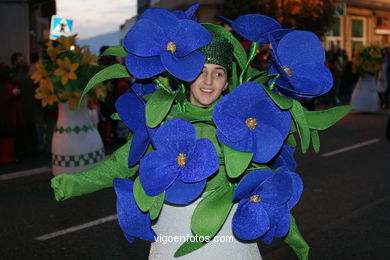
180, 164
131, 109
248, 120
187, 14
133, 222
265, 199
160, 42
254, 27
299, 59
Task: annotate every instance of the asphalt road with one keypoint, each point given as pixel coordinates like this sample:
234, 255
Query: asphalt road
344, 211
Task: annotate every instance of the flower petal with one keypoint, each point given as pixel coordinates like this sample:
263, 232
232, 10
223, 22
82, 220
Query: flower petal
255, 27
138, 146
131, 110
250, 182
280, 222
201, 163
244, 145
188, 42
160, 16
276, 190
268, 142
297, 185
157, 172
300, 47
285, 158
176, 136
144, 67
186, 68
183, 193
145, 39
250, 221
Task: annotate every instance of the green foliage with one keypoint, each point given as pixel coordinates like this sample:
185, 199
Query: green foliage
158, 107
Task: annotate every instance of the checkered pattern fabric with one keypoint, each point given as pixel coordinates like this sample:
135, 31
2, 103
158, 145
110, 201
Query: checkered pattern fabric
77, 160
75, 129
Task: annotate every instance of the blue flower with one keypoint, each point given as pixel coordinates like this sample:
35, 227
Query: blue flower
160, 42
248, 120
180, 164
187, 14
299, 59
265, 199
133, 222
254, 27
131, 109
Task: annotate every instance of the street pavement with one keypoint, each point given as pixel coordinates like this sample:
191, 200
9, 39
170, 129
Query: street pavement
343, 212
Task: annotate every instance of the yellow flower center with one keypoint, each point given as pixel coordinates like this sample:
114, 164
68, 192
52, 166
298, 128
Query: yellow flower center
287, 70
255, 199
251, 123
171, 46
181, 159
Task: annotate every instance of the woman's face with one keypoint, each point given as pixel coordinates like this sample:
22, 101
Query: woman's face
209, 85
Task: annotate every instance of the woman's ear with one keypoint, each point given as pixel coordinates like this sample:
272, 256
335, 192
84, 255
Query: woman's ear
226, 85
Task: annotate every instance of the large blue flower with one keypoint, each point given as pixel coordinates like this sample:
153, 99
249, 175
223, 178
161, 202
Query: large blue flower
254, 27
265, 199
299, 59
131, 109
180, 164
160, 41
248, 120
133, 222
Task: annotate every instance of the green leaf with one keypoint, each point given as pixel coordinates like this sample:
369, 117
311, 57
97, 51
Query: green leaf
233, 81
218, 180
236, 161
315, 140
282, 102
152, 204
158, 107
295, 240
115, 51
212, 211
291, 140
238, 50
321, 120
257, 75
156, 206
112, 72
188, 247
144, 201
298, 115
115, 116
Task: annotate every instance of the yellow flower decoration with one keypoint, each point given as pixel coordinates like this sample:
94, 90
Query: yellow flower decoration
67, 42
89, 58
72, 98
46, 93
66, 70
53, 52
40, 75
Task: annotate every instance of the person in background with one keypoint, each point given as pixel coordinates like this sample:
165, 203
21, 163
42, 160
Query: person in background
8, 115
26, 134
16, 58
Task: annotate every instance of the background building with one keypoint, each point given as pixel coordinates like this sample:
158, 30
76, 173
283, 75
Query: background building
360, 22
24, 26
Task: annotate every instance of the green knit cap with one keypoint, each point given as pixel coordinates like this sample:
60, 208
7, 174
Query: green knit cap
219, 51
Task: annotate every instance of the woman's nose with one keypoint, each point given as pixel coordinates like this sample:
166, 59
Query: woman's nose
208, 79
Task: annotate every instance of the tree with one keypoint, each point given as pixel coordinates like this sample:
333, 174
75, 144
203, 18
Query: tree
311, 15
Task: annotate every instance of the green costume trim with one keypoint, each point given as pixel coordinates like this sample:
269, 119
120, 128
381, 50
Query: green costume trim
74, 129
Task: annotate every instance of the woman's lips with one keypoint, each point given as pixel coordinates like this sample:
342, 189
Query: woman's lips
206, 90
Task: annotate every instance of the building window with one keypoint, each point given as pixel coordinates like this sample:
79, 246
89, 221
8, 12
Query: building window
358, 31
333, 36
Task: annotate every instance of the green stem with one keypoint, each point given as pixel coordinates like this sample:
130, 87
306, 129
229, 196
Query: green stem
162, 86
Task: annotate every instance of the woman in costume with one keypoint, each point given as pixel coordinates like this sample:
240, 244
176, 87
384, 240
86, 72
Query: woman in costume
226, 160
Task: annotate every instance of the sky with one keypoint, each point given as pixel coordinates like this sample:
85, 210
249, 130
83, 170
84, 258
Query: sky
94, 17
